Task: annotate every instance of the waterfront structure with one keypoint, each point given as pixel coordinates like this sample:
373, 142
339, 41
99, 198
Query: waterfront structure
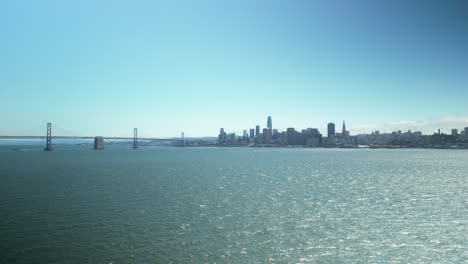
252, 133
269, 123
257, 130
330, 130
98, 143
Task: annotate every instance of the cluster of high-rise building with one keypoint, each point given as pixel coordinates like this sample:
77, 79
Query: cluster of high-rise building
310, 137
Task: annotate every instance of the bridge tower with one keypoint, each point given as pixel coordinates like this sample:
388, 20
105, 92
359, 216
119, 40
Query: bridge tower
182, 139
49, 137
135, 138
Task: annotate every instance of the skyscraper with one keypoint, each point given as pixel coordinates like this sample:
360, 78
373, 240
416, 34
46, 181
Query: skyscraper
343, 131
252, 133
222, 136
454, 132
266, 135
291, 136
466, 132
257, 130
269, 123
331, 130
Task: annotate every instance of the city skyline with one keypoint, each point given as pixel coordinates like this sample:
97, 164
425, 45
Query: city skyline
331, 129
313, 138
167, 67
443, 126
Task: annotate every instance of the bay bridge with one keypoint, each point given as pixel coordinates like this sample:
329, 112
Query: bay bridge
98, 141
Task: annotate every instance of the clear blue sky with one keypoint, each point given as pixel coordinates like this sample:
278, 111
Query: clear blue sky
104, 67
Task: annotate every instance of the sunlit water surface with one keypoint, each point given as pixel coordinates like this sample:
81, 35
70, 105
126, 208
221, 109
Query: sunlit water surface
233, 205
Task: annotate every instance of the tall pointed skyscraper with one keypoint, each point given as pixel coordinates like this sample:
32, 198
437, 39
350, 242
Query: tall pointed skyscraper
269, 123
343, 131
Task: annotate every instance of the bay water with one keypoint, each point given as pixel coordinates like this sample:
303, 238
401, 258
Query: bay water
233, 205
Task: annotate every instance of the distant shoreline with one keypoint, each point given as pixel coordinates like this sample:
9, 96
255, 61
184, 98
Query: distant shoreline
203, 143
69, 137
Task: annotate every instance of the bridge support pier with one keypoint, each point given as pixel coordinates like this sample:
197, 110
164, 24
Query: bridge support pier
98, 143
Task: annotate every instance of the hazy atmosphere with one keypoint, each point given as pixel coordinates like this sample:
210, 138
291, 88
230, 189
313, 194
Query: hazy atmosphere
104, 67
